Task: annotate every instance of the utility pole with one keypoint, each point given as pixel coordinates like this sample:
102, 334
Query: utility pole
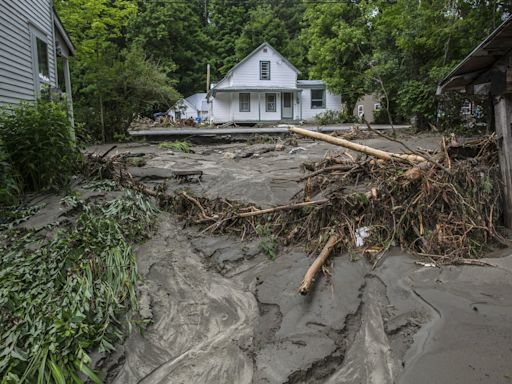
207, 78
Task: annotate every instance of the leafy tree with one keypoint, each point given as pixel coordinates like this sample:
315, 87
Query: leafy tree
172, 34
111, 84
262, 26
227, 19
130, 85
337, 38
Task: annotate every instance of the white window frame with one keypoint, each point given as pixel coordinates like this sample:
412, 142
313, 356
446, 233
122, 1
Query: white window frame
241, 102
377, 107
37, 33
322, 106
265, 76
267, 102
360, 110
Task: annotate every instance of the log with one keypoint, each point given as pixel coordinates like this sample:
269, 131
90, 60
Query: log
282, 208
357, 147
309, 277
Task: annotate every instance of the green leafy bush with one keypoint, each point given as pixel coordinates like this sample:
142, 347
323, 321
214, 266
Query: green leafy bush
69, 295
38, 143
334, 117
9, 182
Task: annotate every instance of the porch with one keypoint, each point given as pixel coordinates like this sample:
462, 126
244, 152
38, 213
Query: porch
254, 105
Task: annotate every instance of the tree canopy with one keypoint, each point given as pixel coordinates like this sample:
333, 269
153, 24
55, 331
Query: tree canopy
397, 49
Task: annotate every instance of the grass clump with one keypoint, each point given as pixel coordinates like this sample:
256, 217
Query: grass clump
179, 146
38, 146
63, 297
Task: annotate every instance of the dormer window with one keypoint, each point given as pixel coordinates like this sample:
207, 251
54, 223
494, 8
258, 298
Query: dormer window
264, 70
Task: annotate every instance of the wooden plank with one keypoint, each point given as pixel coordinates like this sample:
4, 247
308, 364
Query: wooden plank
503, 120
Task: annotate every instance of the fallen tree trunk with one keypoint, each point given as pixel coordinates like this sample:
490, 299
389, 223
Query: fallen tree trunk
357, 147
282, 208
309, 277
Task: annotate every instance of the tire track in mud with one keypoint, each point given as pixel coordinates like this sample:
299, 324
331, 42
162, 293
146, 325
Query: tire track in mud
202, 322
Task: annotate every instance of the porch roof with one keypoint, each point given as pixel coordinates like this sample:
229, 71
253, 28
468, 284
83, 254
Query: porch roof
254, 89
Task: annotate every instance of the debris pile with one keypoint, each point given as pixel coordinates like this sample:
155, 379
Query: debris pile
443, 206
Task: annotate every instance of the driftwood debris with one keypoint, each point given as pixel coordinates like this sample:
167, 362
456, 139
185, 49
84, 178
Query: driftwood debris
282, 208
309, 277
412, 201
356, 147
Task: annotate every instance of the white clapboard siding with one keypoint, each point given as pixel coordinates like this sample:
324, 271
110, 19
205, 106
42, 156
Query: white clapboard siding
17, 18
332, 103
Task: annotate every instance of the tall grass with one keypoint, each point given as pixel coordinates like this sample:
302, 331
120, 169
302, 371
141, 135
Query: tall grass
62, 297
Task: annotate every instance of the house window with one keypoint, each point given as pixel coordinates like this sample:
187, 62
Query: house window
245, 102
377, 107
360, 110
43, 67
317, 98
270, 102
264, 70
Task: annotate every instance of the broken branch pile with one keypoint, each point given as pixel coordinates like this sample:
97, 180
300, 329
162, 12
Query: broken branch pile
443, 205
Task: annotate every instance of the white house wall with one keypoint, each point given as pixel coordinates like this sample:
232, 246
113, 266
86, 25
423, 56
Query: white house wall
17, 17
248, 73
332, 102
221, 108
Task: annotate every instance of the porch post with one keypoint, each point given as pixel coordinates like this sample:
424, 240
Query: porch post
259, 106
503, 121
69, 91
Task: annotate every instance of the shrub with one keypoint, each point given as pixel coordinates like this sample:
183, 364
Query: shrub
38, 145
9, 182
334, 117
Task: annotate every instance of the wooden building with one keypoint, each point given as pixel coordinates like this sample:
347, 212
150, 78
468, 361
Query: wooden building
488, 71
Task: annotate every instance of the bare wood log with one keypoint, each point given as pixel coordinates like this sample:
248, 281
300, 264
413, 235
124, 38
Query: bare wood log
357, 147
339, 167
309, 277
282, 208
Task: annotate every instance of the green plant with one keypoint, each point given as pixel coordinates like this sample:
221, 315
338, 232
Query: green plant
10, 189
180, 146
268, 243
62, 297
39, 146
333, 117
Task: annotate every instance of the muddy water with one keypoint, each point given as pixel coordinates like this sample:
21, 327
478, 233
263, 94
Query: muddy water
219, 311
222, 312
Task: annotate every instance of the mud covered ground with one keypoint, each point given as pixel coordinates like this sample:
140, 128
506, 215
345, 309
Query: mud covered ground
220, 311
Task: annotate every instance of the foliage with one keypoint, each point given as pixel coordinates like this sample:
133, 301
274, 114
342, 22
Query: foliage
127, 83
112, 78
9, 183
172, 34
334, 117
263, 26
60, 298
400, 49
37, 141
268, 243
179, 146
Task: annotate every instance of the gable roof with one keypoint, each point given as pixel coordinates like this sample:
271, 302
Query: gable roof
62, 31
197, 100
483, 57
265, 44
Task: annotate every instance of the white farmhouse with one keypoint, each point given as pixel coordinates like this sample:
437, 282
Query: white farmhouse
263, 87
190, 108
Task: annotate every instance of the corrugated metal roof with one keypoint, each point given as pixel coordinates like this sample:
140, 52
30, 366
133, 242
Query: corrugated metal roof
483, 57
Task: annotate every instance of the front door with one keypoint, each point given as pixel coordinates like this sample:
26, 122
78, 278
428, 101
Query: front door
287, 110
